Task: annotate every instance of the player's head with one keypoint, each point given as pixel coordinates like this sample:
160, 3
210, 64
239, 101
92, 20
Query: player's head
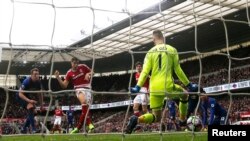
138, 66
158, 37
58, 107
74, 62
34, 73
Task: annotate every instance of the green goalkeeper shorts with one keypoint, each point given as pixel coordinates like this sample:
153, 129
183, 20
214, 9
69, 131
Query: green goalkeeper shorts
157, 100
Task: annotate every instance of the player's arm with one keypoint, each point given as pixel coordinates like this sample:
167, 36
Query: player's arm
89, 75
62, 83
212, 111
64, 114
178, 70
204, 115
21, 94
147, 66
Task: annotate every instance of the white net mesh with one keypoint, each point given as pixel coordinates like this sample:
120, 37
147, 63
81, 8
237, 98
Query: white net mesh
103, 36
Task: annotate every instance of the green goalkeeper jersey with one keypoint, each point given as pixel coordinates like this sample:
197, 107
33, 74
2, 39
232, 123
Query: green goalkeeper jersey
162, 60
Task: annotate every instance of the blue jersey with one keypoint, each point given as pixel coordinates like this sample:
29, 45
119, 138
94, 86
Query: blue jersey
70, 115
29, 85
216, 111
171, 107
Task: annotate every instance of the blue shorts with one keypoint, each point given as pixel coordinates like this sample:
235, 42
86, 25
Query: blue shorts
22, 102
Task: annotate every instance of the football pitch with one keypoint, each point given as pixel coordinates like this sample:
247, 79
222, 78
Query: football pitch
172, 136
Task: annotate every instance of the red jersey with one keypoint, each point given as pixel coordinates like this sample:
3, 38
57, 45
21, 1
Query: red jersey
58, 112
146, 84
78, 76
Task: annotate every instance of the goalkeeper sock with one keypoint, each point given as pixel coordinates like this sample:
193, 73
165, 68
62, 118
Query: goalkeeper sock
147, 118
183, 109
82, 117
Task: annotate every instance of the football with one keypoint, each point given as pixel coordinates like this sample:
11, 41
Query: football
194, 123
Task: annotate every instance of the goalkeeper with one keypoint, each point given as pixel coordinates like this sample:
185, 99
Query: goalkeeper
162, 60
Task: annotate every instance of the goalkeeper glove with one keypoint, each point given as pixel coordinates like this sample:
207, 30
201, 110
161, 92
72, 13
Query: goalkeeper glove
192, 87
135, 89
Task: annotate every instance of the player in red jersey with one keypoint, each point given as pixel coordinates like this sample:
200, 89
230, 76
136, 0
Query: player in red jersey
79, 75
58, 119
141, 99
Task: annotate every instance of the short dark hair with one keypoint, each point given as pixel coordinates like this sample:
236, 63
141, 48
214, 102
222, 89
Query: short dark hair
74, 59
138, 63
34, 69
158, 34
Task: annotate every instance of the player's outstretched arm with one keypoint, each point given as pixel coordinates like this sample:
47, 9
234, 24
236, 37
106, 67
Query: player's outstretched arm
178, 70
64, 83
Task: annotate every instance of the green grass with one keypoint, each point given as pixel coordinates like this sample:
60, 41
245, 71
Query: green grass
175, 136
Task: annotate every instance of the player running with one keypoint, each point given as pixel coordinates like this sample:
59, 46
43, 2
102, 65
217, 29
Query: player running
79, 75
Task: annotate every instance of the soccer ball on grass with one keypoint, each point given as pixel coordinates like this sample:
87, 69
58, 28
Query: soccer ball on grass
194, 123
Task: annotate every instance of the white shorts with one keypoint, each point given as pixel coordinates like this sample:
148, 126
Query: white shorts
142, 99
58, 120
86, 93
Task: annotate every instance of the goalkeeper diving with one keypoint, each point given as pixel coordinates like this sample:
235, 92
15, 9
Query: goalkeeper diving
161, 60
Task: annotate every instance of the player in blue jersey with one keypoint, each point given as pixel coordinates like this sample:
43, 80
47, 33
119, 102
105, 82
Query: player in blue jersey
217, 114
70, 118
171, 111
193, 101
27, 101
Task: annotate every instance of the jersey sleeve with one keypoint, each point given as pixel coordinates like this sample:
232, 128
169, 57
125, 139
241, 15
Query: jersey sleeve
68, 77
85, 67
147, 66
204, 114
25, 84
212, 111
178, 70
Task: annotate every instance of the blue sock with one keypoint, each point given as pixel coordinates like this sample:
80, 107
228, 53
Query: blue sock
27, 124
31, 118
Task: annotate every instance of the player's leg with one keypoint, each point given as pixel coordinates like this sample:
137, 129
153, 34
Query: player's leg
183, 103
69, 125
85, 99
54, 128
192, 104
55, 125
144, 103
59, 124
31, 112
137, 102
156, 103
24, 104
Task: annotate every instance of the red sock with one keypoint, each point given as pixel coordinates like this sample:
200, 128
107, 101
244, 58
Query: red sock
88, 120
137, 113
82, 117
